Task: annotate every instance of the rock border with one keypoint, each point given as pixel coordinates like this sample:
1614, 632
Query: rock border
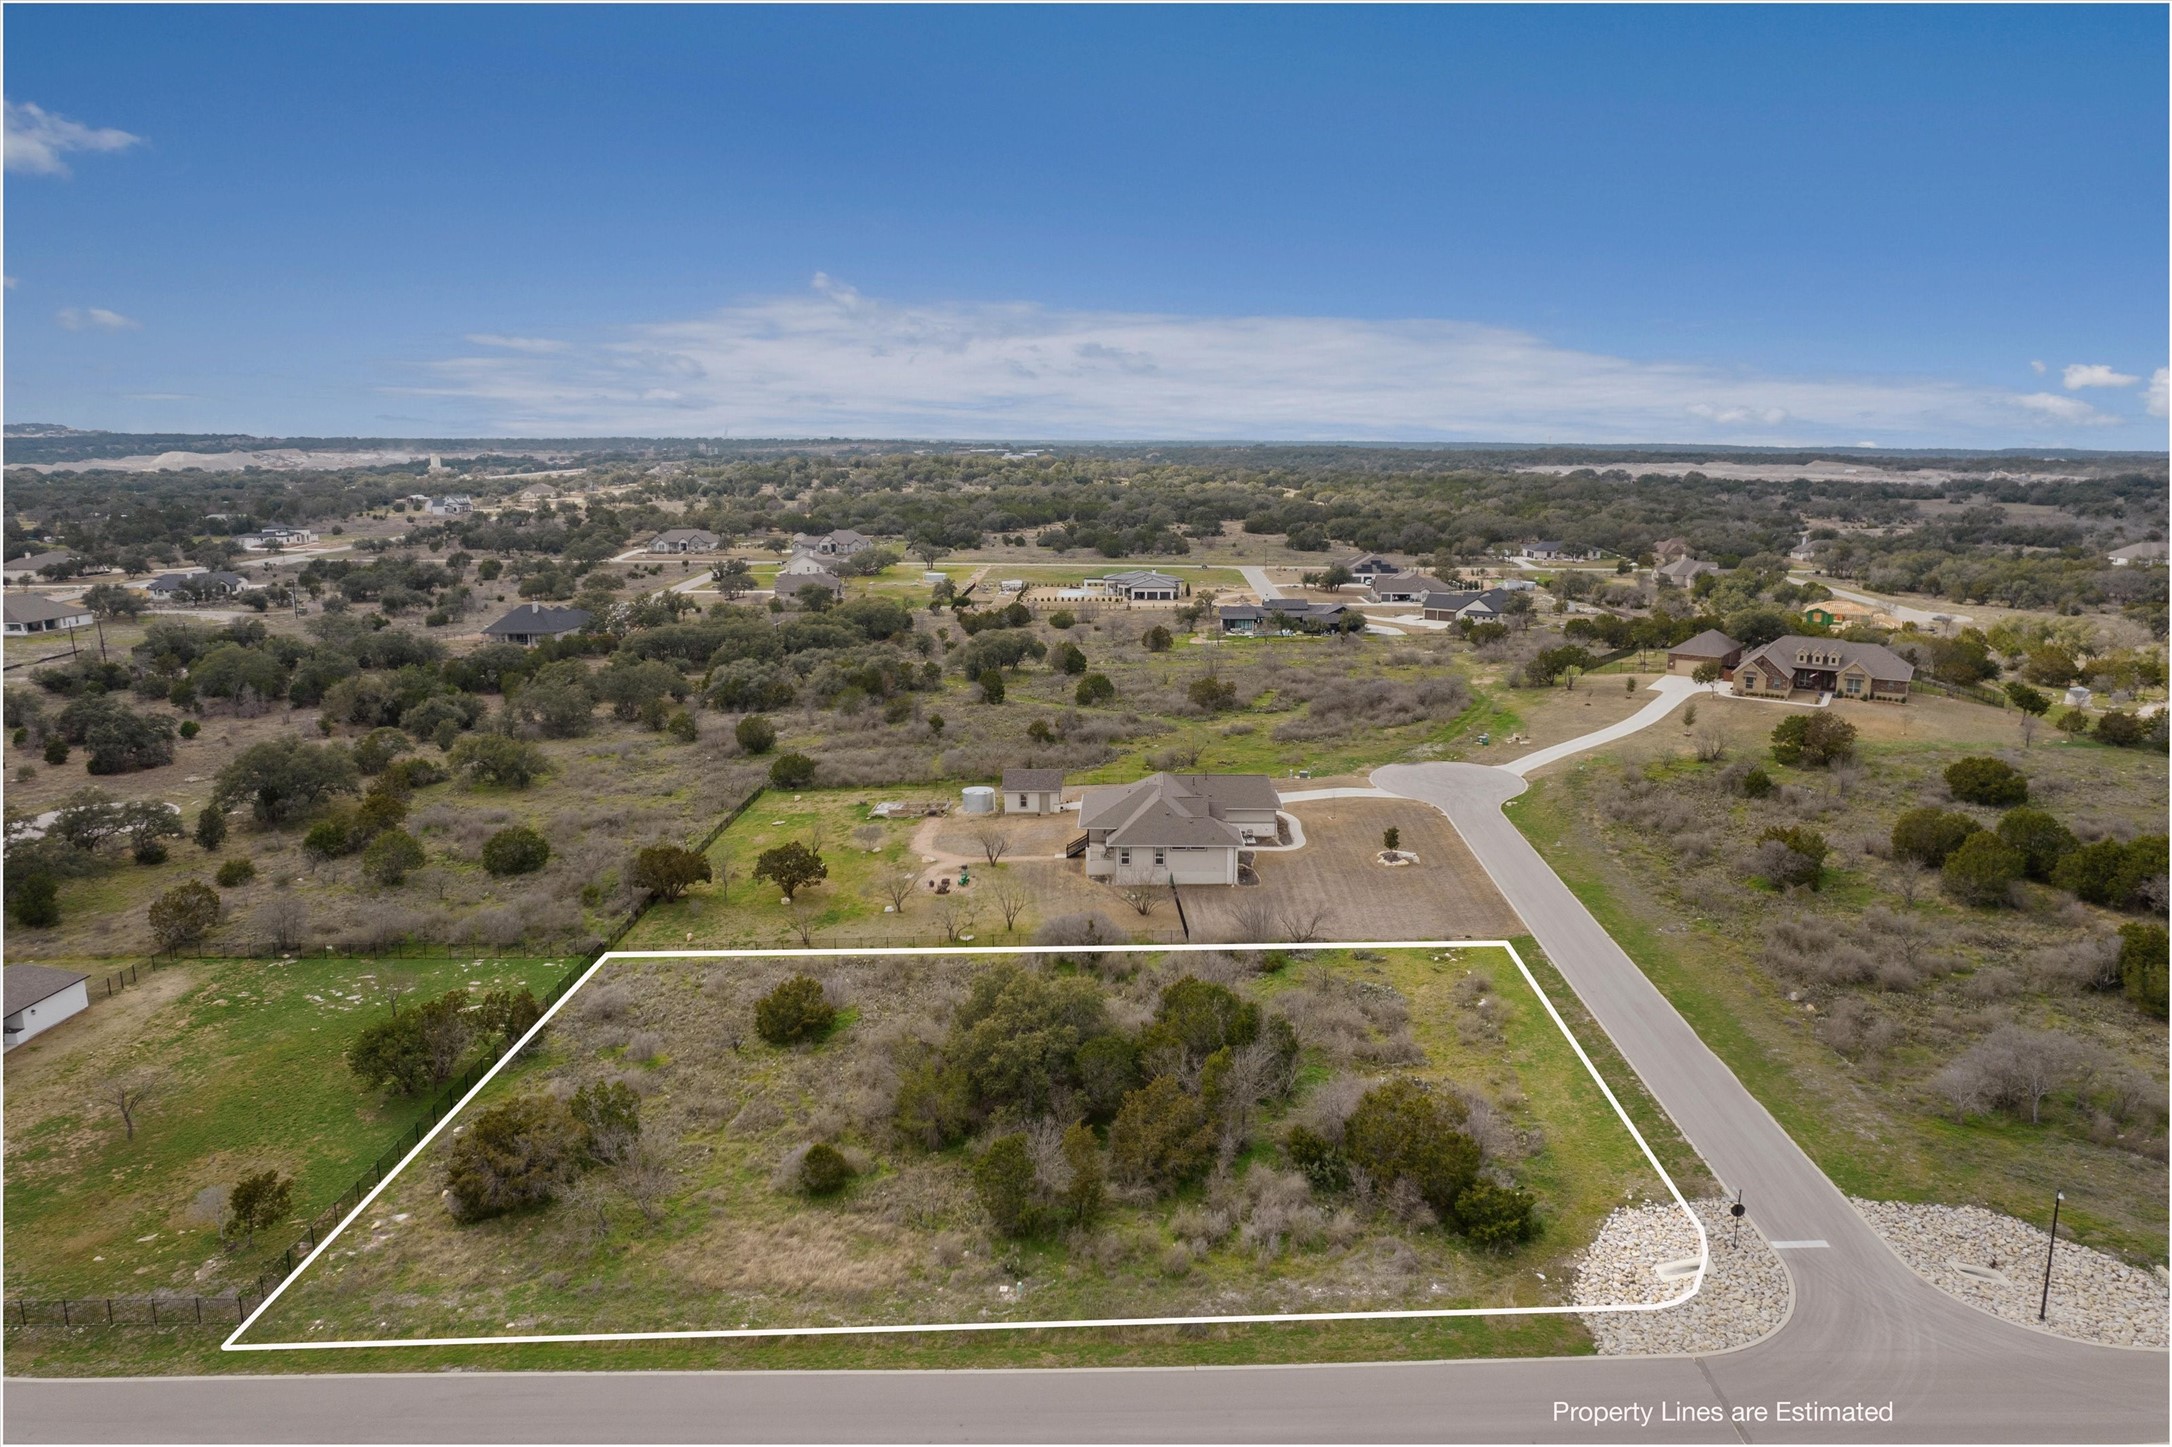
1746, 1295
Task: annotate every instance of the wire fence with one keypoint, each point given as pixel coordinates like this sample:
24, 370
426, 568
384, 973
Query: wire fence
160, 1311
1974, 693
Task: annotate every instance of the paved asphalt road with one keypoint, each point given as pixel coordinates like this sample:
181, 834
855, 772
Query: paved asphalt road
1864, 1328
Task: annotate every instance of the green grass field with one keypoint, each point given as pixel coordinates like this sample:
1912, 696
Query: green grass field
250, 1056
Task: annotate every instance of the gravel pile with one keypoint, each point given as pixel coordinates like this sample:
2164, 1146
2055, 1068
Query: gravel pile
1744, 1294
2094, 1297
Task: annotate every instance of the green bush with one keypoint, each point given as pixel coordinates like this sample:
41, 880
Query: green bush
1791, 856
2143, 946
1993, 783
335, 836
2041, 840
1400, 1132
1929, 835
1214, 695
1094, 689
794, 1011
1496, 1218
1983, 870
378, 748
498, 759
190, 728
34, 900
1813, 740
1756, 784
235, 872
792, 771
1319, 1158
991, 685
184, 914
667, 871
610, 1115
2122, 730
391, 856
1061, 619
2120, 876
1161, 1137
519, 1152
415, 1049
1070, 660
515, 850
791, 866
56, 749
756, 734
824, 1171
1157, 639
1003, 1180
210, 828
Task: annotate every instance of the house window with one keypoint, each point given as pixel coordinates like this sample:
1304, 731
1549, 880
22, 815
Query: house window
1161, 857
1022, 803
1123, 856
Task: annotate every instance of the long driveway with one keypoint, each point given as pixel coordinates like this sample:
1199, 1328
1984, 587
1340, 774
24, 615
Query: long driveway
1863, 1328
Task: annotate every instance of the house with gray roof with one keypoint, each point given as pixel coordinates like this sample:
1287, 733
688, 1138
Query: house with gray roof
1032, 791
1281, 615
1682, 572
1467, 605
169, 587
837, 543
1177, 828
531, 623
1404, 588
684, 540
29, 613
1141, 585
39, 997
31, 565
1710, 646
1824, 666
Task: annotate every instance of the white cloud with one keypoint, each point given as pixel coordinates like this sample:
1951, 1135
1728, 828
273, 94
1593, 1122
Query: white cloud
541, 345
2095, 374
2155, 398
831, 361
37, 139
95, 319
2064, 409
2037, 367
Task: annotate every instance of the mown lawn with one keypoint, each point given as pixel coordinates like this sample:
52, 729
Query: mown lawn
250, 1056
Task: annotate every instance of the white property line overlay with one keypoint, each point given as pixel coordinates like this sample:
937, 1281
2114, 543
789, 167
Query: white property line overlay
233, 1343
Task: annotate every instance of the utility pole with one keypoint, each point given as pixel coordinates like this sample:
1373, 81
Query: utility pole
2050, 1245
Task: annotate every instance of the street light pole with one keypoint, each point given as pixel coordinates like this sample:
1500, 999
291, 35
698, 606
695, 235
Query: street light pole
2045, 1305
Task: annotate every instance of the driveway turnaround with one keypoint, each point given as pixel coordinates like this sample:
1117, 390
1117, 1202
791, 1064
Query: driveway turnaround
1870, 1352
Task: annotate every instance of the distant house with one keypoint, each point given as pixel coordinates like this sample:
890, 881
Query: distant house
839, 543
1710, 646
1840, 612
1804, 551
1682, 572
1032, 791
531, 623
685, 540
266, 539
1404, 588
39, 997
1547, 550
454, 505
2132, 555
31, 566
1467, 606
1177, 828
791, 580
1666, 550
29, 613
170, 587
1280, 615
1142, 586
1824, 665
2077, 695
1368, 566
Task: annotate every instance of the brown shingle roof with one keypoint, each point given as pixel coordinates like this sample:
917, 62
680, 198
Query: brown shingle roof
1032, 781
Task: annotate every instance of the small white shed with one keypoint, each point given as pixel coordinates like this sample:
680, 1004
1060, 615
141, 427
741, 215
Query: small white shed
39, 997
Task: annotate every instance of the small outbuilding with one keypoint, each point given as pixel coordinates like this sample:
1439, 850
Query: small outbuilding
1710, 646
40, 997
1032, 791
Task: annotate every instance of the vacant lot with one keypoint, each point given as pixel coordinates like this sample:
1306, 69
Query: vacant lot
729, 1242
246, 1057
1841, 1007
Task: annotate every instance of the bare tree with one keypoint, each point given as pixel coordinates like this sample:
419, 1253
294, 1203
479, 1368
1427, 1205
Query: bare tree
282, 923
1302, 924
393, 987
1141, 897
2028, 723
1909, 879
956, 917
1011, 898
645, 1177
801, 916
130, 1091
1711, 742
869, 837
992, 840
1253, 916
897, 888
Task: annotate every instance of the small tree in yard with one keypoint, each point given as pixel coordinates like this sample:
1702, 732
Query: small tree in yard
520, 1152
1141, 897
792, 771
258, 1202
1214, 695
791, 866
667, 871
1391, 839
1789, 857
1813, 740
1010, 898
210, 828
1983, 870
1992, 782
130, 1091
794, 1011
1157, 639
991, 685
756, 734
993, 842
391, 857
184, 914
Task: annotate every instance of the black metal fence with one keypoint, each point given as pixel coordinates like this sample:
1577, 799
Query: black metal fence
1974, 693
76, 1311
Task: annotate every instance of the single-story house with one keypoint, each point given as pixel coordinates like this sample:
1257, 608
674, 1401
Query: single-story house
31, 565
1143, 586
684, 540
2132, 555
1548, 550
1280, 615
199, 584
29, 613
1404, 588
1840, 612
1710, 646
1467, 605
791, 581
1177, 828
531, 623
838, 543
1032, 791
39, 997
454, 505
1683, 571
1824, 665
1666, 550
1804, 551
1369, 566
266, 539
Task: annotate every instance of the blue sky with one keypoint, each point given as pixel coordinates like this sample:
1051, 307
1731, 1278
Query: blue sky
1899, 225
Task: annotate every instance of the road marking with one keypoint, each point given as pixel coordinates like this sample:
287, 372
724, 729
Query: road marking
1800, 1245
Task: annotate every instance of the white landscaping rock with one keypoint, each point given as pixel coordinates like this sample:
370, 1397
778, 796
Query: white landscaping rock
2094, 1297
1744, 1296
